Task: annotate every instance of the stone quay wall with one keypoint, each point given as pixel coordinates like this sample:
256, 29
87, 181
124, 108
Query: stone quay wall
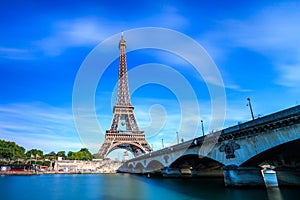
79, 166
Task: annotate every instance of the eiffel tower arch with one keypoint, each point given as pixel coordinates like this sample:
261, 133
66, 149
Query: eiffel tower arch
124, 132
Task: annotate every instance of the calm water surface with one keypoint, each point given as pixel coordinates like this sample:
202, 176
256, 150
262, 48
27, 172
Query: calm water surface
124, 186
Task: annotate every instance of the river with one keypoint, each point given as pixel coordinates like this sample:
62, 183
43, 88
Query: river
129, 187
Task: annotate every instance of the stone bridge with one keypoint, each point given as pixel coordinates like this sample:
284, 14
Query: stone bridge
236, 153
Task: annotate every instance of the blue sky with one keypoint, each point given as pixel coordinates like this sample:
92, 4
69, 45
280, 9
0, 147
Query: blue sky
254, 44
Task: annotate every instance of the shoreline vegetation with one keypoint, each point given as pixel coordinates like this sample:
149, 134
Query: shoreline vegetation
48, 173
15, 160
64, 167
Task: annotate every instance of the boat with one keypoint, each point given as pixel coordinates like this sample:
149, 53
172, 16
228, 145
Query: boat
17, 169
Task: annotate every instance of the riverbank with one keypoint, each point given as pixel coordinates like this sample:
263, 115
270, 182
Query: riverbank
32, 173
100, 166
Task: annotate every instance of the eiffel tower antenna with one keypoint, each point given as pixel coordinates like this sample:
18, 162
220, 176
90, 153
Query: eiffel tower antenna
124, 132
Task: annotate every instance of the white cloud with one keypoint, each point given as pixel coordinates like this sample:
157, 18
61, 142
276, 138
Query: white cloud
271, 29
90, 31
74, 33
289, 75
169, 17
272, 32
16, 53
39, 125
236, 88
267, 32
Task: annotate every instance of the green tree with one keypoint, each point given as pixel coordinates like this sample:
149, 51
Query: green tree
70, 155
10, 150
97, 156
61, 154
83, 154
78, 156
36, 153
52, 153
50, 156
39, 162
47, 163
87, 154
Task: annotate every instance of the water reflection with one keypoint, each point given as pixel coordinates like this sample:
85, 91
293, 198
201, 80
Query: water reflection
129, 187
274, 193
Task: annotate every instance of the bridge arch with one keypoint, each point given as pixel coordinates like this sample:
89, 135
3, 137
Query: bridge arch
259, 147
195, 161
154, 165
283, 155
139, 168
130, 166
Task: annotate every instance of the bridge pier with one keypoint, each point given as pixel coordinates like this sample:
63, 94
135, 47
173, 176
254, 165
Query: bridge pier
171, 172
288, 177
207, 173
235, 176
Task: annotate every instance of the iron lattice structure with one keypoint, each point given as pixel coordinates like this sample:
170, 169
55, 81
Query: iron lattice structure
124, 132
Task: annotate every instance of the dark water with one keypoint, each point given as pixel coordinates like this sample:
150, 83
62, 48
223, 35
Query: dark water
123, 187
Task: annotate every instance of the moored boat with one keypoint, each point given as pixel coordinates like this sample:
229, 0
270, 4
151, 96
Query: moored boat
17, 169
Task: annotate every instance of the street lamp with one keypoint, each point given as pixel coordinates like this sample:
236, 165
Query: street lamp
177, 137
202, 127
162, 143
249, 104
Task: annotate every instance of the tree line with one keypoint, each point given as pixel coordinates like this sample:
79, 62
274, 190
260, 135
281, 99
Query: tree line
10, 151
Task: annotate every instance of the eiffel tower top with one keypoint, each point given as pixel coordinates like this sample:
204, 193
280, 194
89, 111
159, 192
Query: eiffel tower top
123, 95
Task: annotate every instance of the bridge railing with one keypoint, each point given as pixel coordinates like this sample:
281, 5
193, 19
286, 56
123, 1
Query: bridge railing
294, 111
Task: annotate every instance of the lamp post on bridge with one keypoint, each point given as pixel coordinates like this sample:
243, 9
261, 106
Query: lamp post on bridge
249, 104
162, 143
177, 137
202, 127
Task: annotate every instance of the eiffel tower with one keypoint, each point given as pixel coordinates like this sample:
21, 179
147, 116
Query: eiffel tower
124, 132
